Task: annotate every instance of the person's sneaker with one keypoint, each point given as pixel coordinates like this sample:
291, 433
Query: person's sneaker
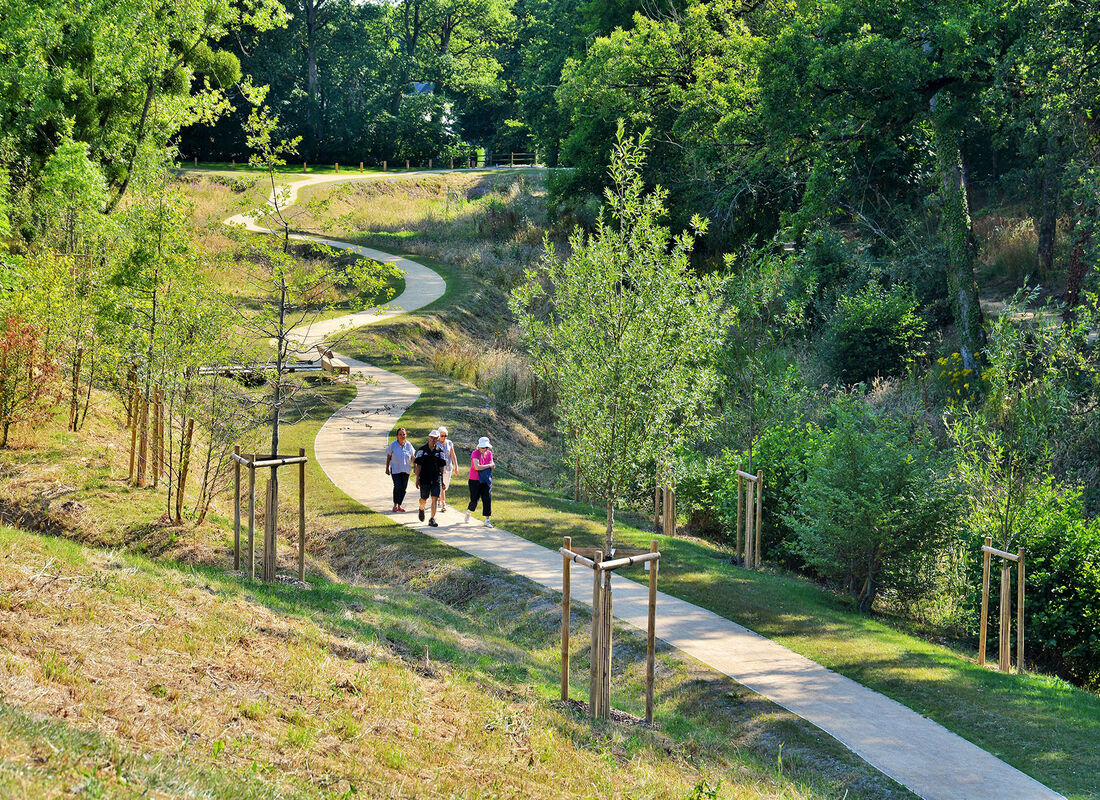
466, 518
432, 523
401, 509
443, 508
395, 509
488, 524
421, 515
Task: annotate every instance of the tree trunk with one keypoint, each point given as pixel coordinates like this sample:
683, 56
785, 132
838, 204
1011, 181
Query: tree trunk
608, 541
313, 78
1078, 265
958, 236
1046, 217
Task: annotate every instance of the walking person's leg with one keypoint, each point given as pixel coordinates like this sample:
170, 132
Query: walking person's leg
400, 489
487, 502
475, 489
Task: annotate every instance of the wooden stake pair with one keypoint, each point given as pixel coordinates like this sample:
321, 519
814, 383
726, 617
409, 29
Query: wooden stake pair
1005, 630
271, 513
599, 685
749, 500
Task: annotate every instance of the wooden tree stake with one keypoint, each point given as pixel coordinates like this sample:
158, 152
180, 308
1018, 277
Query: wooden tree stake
143, 442
984, 624
759, 507
651, 634
567, 543
252, 519
302, 516
740, 513
236, 509
605, 653
594, 657
1020, 611
1005, 632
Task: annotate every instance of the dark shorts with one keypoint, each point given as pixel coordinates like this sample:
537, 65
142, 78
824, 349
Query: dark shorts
432, 488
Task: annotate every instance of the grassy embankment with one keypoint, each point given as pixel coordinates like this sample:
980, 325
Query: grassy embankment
407, 669
406, 665
215, 197
1040, 724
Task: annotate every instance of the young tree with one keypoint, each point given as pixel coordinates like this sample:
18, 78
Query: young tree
27, 375
625, 331
874, 507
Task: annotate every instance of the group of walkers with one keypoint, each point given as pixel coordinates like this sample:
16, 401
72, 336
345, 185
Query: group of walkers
432, 467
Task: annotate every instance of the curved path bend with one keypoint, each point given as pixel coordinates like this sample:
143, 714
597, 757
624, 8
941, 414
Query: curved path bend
920, 754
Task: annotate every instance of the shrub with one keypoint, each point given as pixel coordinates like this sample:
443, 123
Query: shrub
1062, 576
874, 505
872, 332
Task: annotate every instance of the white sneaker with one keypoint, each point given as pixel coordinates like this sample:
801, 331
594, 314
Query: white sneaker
466, 518
488, 524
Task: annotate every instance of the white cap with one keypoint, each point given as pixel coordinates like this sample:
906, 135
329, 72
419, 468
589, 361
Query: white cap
443, 430
483, 442
434, 434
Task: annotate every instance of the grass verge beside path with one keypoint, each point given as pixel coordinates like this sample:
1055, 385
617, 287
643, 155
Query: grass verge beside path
1039, 724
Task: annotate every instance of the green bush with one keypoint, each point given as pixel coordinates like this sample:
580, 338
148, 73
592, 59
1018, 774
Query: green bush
874, 509
872, 332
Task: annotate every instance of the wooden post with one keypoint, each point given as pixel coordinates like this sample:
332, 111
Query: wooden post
185, 462
272, 527
651, 635
360, 166
750, 488
236, 509
605, 671
984, 624
143, 441
133, 437
1020, 611
511, 159
452, 162
196, 161
759, 507
594, 657
252, 518
336, 167
305, 166
385, 165
567, 543
406, 163
267, 529
233, 163
577, 480
1005, 632
740, 513
429, 163
302, 516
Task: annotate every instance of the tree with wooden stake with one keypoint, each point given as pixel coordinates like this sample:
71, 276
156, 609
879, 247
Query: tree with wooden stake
286, 293
271, 511
749, 506
1004, 630
624, 331
599, 685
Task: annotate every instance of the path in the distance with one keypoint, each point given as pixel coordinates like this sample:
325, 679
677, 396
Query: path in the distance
916, 752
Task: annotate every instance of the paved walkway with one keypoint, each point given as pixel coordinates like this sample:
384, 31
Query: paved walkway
918, 753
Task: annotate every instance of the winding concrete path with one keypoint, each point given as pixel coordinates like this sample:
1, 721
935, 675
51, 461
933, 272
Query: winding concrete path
918, 753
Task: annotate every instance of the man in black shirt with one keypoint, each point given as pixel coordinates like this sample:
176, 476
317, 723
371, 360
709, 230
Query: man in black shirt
428, 469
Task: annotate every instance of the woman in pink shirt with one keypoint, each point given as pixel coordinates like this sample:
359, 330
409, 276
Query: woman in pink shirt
481, 480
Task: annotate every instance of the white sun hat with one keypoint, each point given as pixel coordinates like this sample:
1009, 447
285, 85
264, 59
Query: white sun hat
434, 434
483, 442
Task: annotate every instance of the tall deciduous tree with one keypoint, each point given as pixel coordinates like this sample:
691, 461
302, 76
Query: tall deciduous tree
624, 330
